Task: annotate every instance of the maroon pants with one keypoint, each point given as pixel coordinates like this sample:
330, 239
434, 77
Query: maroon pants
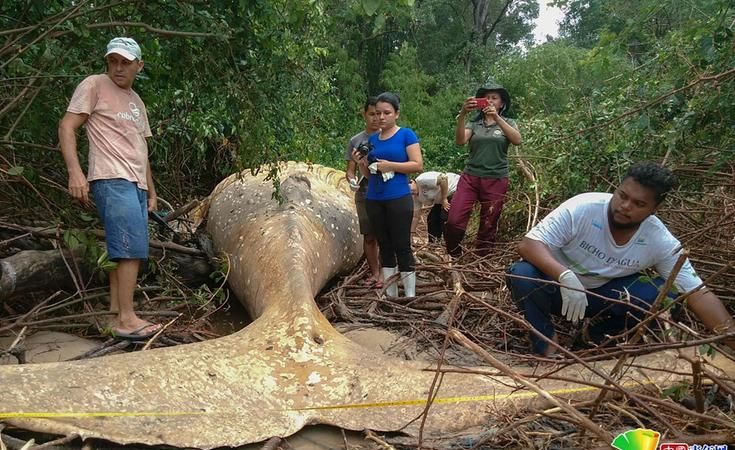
490, 192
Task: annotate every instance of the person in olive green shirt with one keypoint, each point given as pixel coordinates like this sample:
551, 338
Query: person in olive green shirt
485, 177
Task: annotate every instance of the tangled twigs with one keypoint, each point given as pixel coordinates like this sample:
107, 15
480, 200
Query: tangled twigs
486, 316
458, 292
44, 232
583, 421
639, 333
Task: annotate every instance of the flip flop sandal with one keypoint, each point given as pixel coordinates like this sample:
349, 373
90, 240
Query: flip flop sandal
138, 335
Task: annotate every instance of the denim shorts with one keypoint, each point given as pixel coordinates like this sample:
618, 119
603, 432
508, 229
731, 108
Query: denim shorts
123, 208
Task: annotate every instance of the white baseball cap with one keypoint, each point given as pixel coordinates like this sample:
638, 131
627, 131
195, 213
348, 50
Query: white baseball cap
125, 47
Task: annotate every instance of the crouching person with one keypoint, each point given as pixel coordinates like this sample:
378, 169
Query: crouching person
600, 243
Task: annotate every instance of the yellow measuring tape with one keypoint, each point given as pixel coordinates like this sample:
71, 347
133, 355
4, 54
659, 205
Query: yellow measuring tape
440, 400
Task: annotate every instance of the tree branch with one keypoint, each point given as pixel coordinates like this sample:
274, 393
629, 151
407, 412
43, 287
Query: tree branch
486, 34
42, 35
27, 144
52, 18
148, 28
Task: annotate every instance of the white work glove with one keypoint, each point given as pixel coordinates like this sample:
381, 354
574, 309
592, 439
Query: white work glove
354, 184
573, 302
387, 175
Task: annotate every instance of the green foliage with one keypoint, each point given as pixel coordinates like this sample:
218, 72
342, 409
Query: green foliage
677, 391
16, 170
86, 246
426, 107
586, 114
233, 85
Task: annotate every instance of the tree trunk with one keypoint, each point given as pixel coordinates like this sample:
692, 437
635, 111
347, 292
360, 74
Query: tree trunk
34, 270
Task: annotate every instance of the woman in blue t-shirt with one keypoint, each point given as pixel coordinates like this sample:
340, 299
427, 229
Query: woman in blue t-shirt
395, 153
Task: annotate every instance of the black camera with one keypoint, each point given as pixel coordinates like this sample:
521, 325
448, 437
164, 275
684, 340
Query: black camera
364, 148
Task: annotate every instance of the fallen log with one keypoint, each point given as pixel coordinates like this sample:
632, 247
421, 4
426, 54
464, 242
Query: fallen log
46, 270
34, 271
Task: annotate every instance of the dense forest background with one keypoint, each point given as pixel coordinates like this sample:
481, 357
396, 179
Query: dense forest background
236, 84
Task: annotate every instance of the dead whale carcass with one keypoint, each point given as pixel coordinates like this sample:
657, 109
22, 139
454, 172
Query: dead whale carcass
287, 369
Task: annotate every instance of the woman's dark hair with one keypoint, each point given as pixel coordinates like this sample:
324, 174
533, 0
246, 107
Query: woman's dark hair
653, 176
371, 101
393, 99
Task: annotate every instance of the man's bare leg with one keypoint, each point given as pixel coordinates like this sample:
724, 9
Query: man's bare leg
122, 288
370, 244
114, 302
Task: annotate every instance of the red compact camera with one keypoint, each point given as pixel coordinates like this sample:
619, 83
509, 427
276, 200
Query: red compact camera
482, 102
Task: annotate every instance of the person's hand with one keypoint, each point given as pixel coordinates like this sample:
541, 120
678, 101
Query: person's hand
573, 301
491, 111
152, 202
470, 104
446, 205
79, 188
383, 165
358, 157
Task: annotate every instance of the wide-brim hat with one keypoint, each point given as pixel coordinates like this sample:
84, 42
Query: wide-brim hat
492, 86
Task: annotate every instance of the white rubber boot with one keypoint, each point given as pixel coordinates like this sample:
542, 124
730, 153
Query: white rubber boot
391, 290
409, 283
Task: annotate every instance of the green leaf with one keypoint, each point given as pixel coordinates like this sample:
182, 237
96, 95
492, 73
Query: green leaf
676, 391
644, 121
379, 23
108, 266
72, 239
371, 6
15, 170
707, 49
707, 349
104, 263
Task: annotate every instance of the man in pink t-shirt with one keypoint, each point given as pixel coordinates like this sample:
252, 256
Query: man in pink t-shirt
119, 174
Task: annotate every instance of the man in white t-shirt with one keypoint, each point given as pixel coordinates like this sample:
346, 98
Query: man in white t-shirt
600, 243
436, 189
119, 175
